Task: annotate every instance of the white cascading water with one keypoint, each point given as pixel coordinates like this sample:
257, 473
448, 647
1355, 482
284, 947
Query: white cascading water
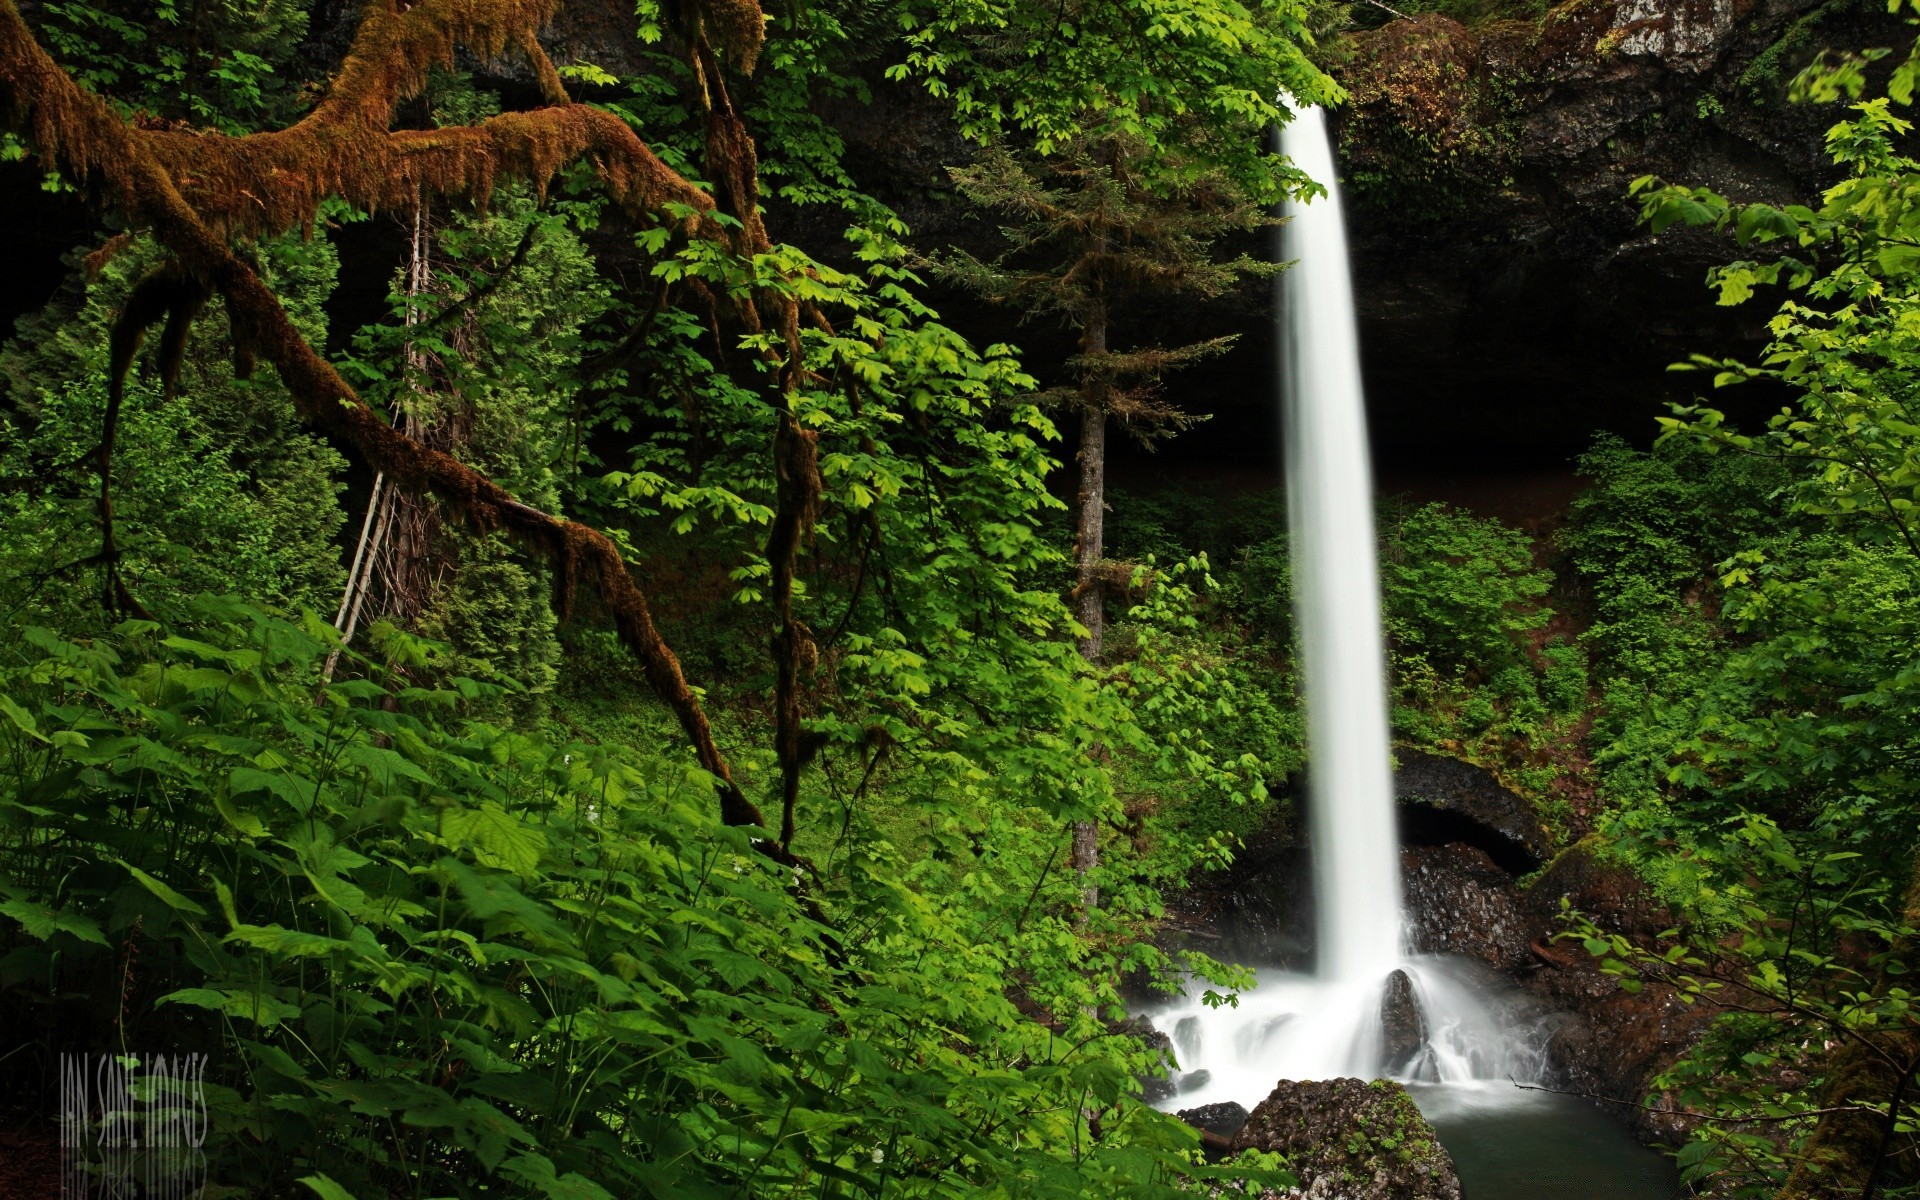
1328, 1024
1336, 589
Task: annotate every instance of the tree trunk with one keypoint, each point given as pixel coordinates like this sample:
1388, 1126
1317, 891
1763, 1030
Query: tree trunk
1089, 550
1090, 544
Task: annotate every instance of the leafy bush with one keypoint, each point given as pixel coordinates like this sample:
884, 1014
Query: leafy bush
1460, 591
429, 954
216, 489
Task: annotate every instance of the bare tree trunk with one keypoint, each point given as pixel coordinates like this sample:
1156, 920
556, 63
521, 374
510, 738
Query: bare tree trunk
388, 557
373, 532
1090, 545
1089, 551
405, 566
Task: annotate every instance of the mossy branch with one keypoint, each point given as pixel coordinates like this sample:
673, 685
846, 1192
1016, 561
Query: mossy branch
149, 176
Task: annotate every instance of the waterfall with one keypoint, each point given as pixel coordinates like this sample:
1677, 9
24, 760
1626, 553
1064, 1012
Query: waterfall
1356, 845
1329, 1024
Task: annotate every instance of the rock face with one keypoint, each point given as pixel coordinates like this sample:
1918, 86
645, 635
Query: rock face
1488, 167
1461, 789
1259, 910
1348, 1140
1471, 835
1609, 1042
1403, 1026
1459, 902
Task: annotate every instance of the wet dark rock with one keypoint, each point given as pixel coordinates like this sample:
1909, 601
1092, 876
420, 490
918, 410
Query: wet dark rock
1193, 1081
1403, 1026
1348, 1140
1487, 166
1500, 822
1258, 911
1609, 1042
1459, 902
1612, 895
1224, 1118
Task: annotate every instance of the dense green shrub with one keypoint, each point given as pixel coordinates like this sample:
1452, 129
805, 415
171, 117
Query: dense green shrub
1460, 591
427, 954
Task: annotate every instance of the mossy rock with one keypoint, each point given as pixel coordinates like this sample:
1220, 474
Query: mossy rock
1352, 1140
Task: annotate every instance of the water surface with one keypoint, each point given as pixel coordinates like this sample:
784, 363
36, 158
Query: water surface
1510, 1144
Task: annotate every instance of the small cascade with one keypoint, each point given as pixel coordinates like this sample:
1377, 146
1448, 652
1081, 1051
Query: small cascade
1368, 1010
1294, 1026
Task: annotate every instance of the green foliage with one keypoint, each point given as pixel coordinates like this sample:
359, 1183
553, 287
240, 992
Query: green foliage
1765, 78
430, 954
1223, 730
215, 63
1461, 592
217, 489
1167, 73
1807, 963
1473, 669
1765, 787
426, 952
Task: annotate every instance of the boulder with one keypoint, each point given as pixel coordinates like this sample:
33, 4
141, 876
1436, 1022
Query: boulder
1349, 1140
1224, 1118
1403, 1026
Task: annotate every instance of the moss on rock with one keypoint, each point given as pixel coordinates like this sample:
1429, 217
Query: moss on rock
1353, 1140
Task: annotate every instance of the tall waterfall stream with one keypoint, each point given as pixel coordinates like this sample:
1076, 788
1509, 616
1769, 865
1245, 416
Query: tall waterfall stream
1480, 1041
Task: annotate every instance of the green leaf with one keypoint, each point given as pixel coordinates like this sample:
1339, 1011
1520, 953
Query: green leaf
496, 837
43, 922
246, 823
168, 896
538, 1171
257, 1007
298, 793
21, 718
325, 1188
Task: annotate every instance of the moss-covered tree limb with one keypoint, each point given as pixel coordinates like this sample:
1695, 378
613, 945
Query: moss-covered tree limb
149, 177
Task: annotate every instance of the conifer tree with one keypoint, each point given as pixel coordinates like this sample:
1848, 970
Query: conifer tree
1104, 223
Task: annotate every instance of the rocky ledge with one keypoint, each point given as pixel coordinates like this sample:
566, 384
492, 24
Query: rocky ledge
1450, 796
1349, 1140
